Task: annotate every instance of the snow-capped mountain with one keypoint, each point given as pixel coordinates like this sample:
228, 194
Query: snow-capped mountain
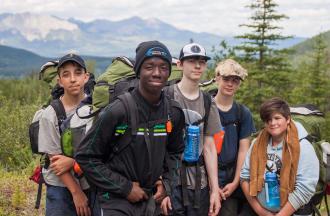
52, 36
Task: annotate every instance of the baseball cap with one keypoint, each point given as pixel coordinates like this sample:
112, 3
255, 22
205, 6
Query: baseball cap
72, 57
193, 50
230, 67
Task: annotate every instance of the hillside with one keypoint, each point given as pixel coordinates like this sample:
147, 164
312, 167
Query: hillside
303, 50
17, 63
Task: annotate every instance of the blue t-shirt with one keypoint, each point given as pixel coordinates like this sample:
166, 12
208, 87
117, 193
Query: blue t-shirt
229, 150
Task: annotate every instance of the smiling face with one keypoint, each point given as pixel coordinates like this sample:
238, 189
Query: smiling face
72, 77
277, 125
154, 73
193, 67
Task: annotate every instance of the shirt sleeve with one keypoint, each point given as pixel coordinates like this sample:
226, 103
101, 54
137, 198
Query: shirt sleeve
245, 171
247, 125
49, 138
307, 176
95, 149
213, 122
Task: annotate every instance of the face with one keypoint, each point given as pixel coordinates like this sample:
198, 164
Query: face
228, 85
154, 73
277, 125
72, 78
192, 68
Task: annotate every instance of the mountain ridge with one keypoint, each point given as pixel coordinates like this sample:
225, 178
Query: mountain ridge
43, 34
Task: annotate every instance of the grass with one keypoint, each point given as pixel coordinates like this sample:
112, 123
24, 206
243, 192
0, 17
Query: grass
18, 194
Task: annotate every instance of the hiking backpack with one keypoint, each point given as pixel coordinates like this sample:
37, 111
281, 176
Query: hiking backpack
48, 74
313, 121
119, 77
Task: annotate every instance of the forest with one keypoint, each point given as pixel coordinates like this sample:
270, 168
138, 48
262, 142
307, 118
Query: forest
299, 75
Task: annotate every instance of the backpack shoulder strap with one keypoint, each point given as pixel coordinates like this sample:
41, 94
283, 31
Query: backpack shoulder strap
207, 106
131, 109
239, 116
60, 112
169, 91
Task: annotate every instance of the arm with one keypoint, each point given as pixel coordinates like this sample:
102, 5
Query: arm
174, 150
244, 145
95, 149
253, 200
211, 163
307, 176
79, 198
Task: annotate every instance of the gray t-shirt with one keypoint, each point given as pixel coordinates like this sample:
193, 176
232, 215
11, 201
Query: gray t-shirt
50, 143
194, 111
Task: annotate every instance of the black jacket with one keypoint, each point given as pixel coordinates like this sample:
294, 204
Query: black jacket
132, 163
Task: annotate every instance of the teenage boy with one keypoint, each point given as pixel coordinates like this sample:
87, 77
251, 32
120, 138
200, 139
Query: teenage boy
64, 195
131, 152
238, 125
197, 193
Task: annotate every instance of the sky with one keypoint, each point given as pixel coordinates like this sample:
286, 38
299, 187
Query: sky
222, 17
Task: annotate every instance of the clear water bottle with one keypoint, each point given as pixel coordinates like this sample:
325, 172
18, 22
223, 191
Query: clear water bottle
191, 151
272, 191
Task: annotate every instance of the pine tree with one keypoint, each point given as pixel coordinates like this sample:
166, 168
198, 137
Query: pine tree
268, 68
318, 90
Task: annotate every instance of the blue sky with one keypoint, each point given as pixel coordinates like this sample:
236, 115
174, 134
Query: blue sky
222, 17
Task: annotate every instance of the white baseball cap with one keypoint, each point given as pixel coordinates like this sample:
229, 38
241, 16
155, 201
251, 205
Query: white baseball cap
192, 50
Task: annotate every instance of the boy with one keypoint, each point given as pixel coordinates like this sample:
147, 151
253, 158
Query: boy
197, 193
129, 152
64, 195
238, 125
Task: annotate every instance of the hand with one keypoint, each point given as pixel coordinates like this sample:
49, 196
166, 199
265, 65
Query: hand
166, 205
214, 203
81, 203
160, 193
229, 189
60, 164
137, 193
222, 196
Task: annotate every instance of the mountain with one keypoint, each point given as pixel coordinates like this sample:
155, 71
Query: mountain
304, 50
53, 36
15, 63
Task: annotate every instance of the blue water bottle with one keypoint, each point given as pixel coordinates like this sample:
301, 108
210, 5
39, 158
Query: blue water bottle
272, 191
191, 151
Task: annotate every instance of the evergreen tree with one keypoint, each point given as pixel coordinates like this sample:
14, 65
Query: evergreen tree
268, 68
318, 88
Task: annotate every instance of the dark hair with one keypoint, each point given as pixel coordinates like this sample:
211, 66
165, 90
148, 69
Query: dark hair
274, 105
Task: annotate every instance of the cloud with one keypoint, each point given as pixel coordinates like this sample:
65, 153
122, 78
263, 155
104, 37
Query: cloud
214, 16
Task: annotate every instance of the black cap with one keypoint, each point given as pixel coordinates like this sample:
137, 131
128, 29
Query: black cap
72, 57
150, 49
193, 50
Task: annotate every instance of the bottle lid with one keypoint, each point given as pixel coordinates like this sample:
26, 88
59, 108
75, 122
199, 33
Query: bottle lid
193, 128
271, 175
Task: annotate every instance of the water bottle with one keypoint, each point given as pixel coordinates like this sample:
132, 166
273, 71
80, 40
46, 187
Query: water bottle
191, 151
272, 191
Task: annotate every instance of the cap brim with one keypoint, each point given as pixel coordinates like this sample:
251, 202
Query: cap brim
192, 56
72, 60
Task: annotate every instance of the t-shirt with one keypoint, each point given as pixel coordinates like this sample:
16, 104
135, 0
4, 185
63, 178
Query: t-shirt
194, 111
50, 141
229, 149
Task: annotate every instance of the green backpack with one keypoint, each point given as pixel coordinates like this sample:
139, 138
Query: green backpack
314, 122
118, 78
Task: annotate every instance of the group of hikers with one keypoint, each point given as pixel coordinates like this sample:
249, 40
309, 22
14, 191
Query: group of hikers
152, 151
